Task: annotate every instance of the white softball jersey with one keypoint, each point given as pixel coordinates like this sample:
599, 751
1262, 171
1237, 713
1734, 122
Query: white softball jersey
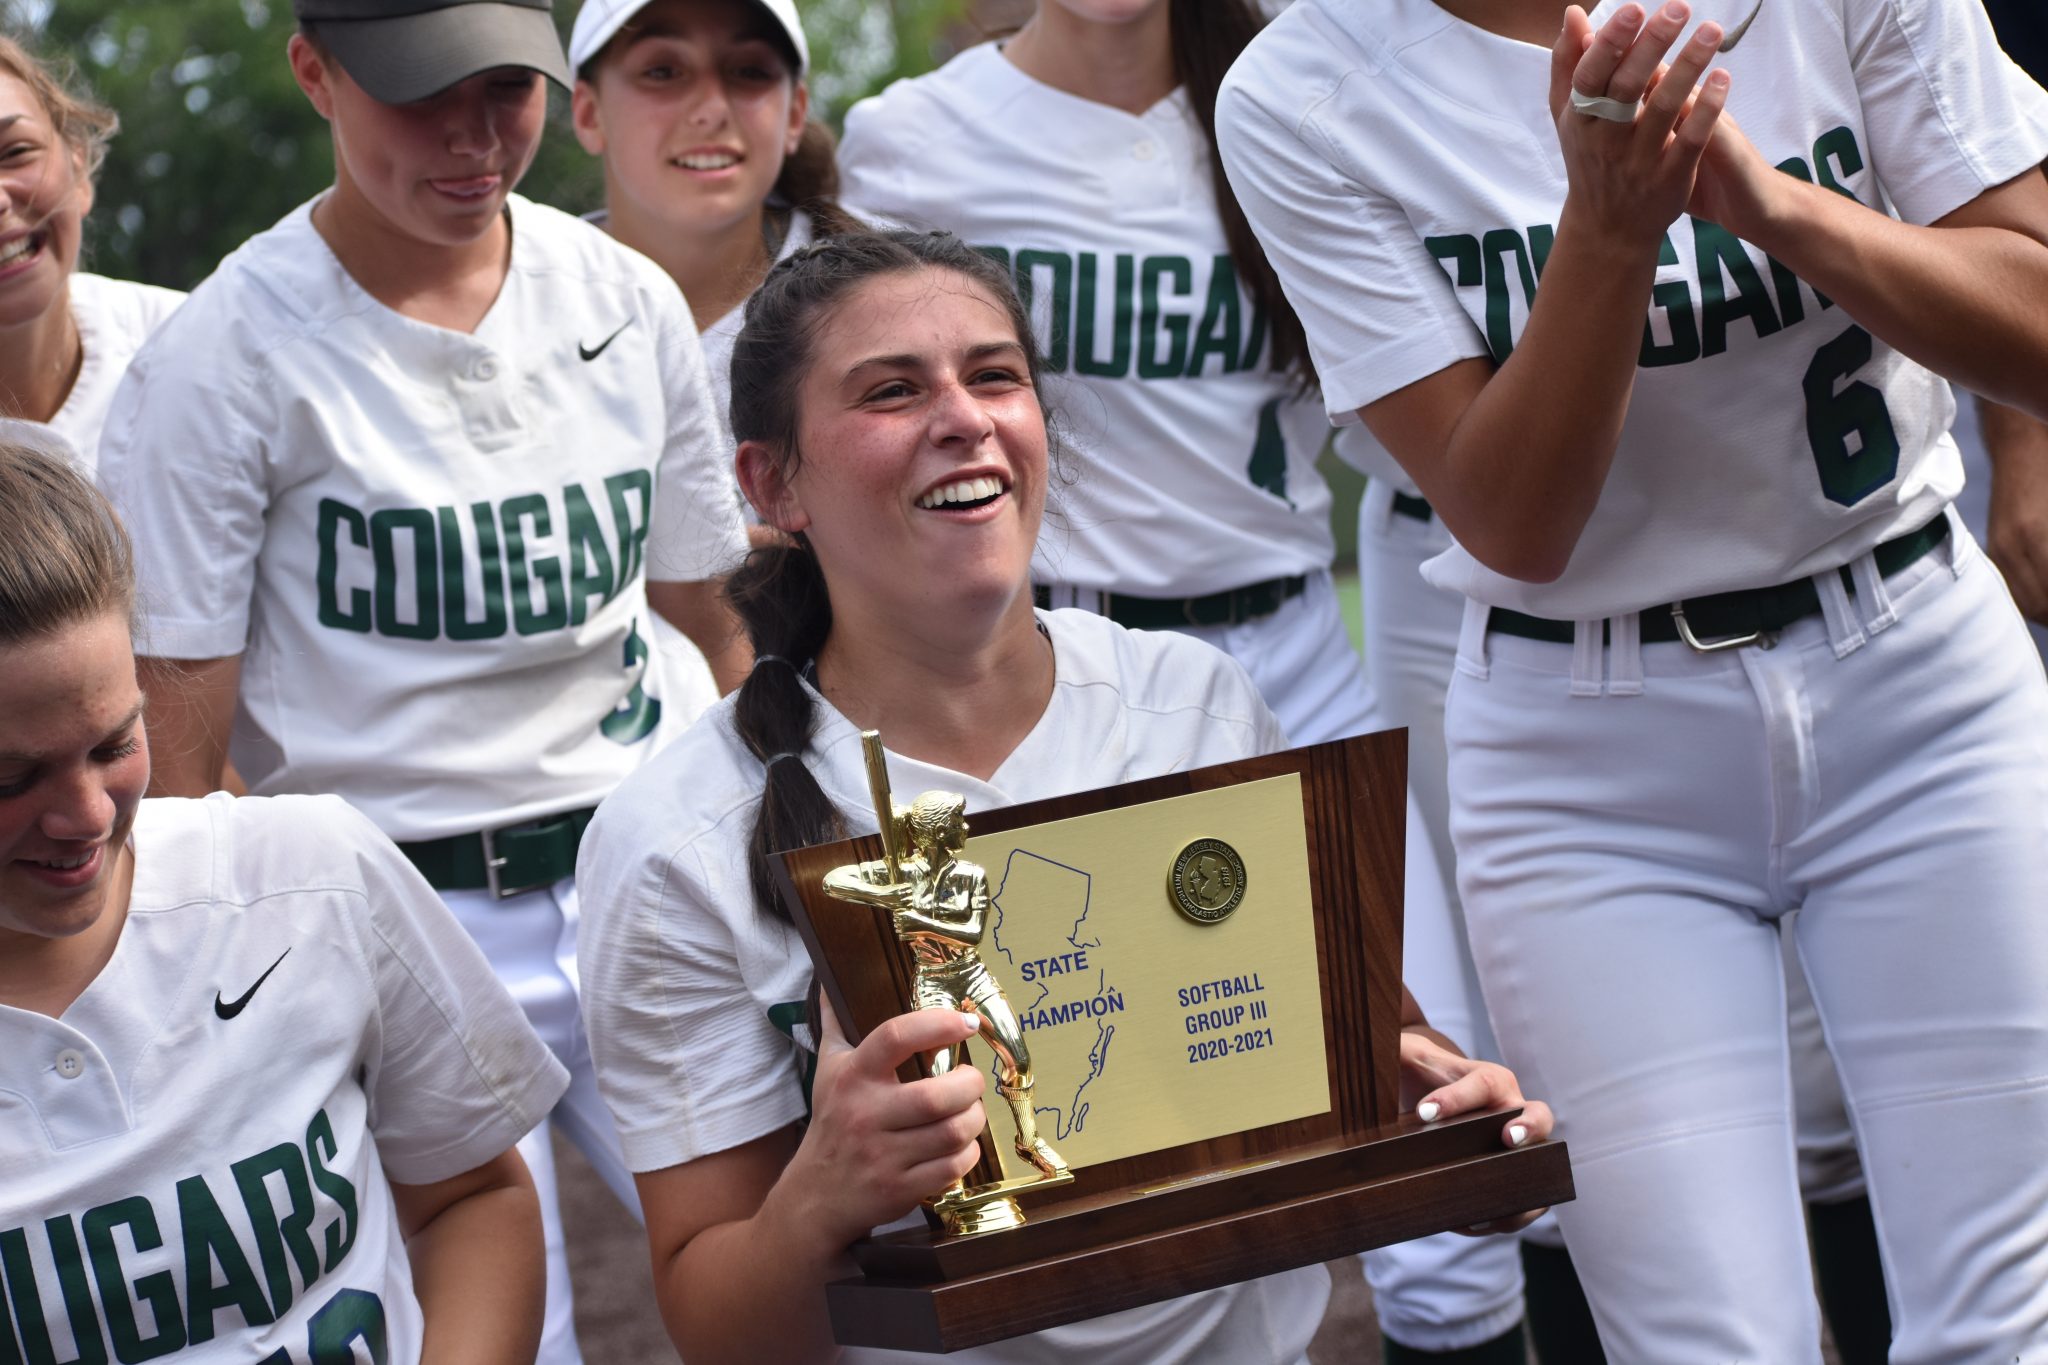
429, 547
695, 997
1402, 168
197, 1154
114, 318
1196, 469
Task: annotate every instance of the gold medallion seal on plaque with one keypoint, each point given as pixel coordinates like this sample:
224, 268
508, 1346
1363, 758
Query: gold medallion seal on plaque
1207, 881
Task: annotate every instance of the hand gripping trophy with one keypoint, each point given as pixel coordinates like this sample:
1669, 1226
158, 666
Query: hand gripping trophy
939, 902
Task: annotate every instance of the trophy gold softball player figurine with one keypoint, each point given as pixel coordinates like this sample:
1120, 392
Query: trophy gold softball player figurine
939, 902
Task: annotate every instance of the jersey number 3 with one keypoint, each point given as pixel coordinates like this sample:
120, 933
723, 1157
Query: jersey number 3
1848, 426
637, 713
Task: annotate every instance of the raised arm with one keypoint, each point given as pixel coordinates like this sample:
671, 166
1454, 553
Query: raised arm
1514, 457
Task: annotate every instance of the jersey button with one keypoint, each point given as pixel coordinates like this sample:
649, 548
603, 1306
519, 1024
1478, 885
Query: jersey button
1145, 150
487, 369
71, 1064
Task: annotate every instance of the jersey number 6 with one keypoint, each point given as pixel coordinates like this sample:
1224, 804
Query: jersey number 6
1848, 425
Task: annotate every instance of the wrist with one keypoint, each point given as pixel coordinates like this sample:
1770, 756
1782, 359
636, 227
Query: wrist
1620, 244
800, 1216
1783, 213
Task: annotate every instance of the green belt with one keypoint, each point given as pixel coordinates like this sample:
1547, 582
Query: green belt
1417, 508
503, 861
1231, 607
1725, 619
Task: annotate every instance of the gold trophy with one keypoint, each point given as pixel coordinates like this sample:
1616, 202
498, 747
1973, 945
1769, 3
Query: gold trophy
939, 903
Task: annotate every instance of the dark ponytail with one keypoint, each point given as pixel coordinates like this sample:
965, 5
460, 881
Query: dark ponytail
779, 593
1208, 35
810, 181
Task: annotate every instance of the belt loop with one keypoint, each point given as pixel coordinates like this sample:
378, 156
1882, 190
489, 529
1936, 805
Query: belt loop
1376, 512
1962, 547
1625, 656
1586, 641
1472, 641
1879, 614
1844, 633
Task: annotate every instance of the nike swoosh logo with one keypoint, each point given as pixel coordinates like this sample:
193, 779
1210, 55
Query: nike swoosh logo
1730, 37
228, 1009
593, 352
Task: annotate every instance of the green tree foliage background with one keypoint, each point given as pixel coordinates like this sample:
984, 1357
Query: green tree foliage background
217, 143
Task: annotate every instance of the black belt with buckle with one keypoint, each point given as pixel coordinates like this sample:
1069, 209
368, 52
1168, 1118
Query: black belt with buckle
1231, 607
504, 861
1724, 620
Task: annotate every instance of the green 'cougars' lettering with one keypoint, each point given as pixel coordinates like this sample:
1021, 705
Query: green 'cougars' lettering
406, 572
1689, 319
1159, 324
96, 1254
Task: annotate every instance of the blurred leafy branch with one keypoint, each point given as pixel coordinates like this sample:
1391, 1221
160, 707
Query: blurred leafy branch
217, 143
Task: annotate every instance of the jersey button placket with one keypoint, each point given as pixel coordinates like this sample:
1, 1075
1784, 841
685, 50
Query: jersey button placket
491, 412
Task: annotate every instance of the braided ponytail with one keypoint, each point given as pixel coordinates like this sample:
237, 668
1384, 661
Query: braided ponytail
779, 593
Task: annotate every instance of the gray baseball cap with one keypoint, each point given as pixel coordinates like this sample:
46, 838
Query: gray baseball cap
405, 50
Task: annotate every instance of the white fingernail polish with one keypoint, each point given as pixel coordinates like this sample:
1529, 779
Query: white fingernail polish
1517, 1134
1428, 1110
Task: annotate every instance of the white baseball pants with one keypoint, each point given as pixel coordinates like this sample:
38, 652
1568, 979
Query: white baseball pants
530, 942
1632, 822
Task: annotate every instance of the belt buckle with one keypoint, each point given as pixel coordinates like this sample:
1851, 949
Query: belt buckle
493, 861
1709, 646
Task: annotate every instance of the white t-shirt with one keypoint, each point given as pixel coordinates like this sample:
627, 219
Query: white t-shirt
695, 997
1403, 170
430, 548
203, 1143
1196, 461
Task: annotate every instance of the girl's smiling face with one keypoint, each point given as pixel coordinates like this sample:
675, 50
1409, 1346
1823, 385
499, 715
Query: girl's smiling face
73, 768
44, 197
694, 107
921, 472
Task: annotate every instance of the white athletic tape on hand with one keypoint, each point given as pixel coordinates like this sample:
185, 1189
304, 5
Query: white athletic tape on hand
1601, 107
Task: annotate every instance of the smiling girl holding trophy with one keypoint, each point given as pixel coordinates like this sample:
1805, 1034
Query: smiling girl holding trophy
883, 385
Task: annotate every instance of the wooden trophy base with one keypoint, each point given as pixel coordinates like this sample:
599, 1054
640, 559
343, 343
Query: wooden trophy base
1117, 1249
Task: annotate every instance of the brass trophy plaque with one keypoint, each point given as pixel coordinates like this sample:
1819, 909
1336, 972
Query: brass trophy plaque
1190, 992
